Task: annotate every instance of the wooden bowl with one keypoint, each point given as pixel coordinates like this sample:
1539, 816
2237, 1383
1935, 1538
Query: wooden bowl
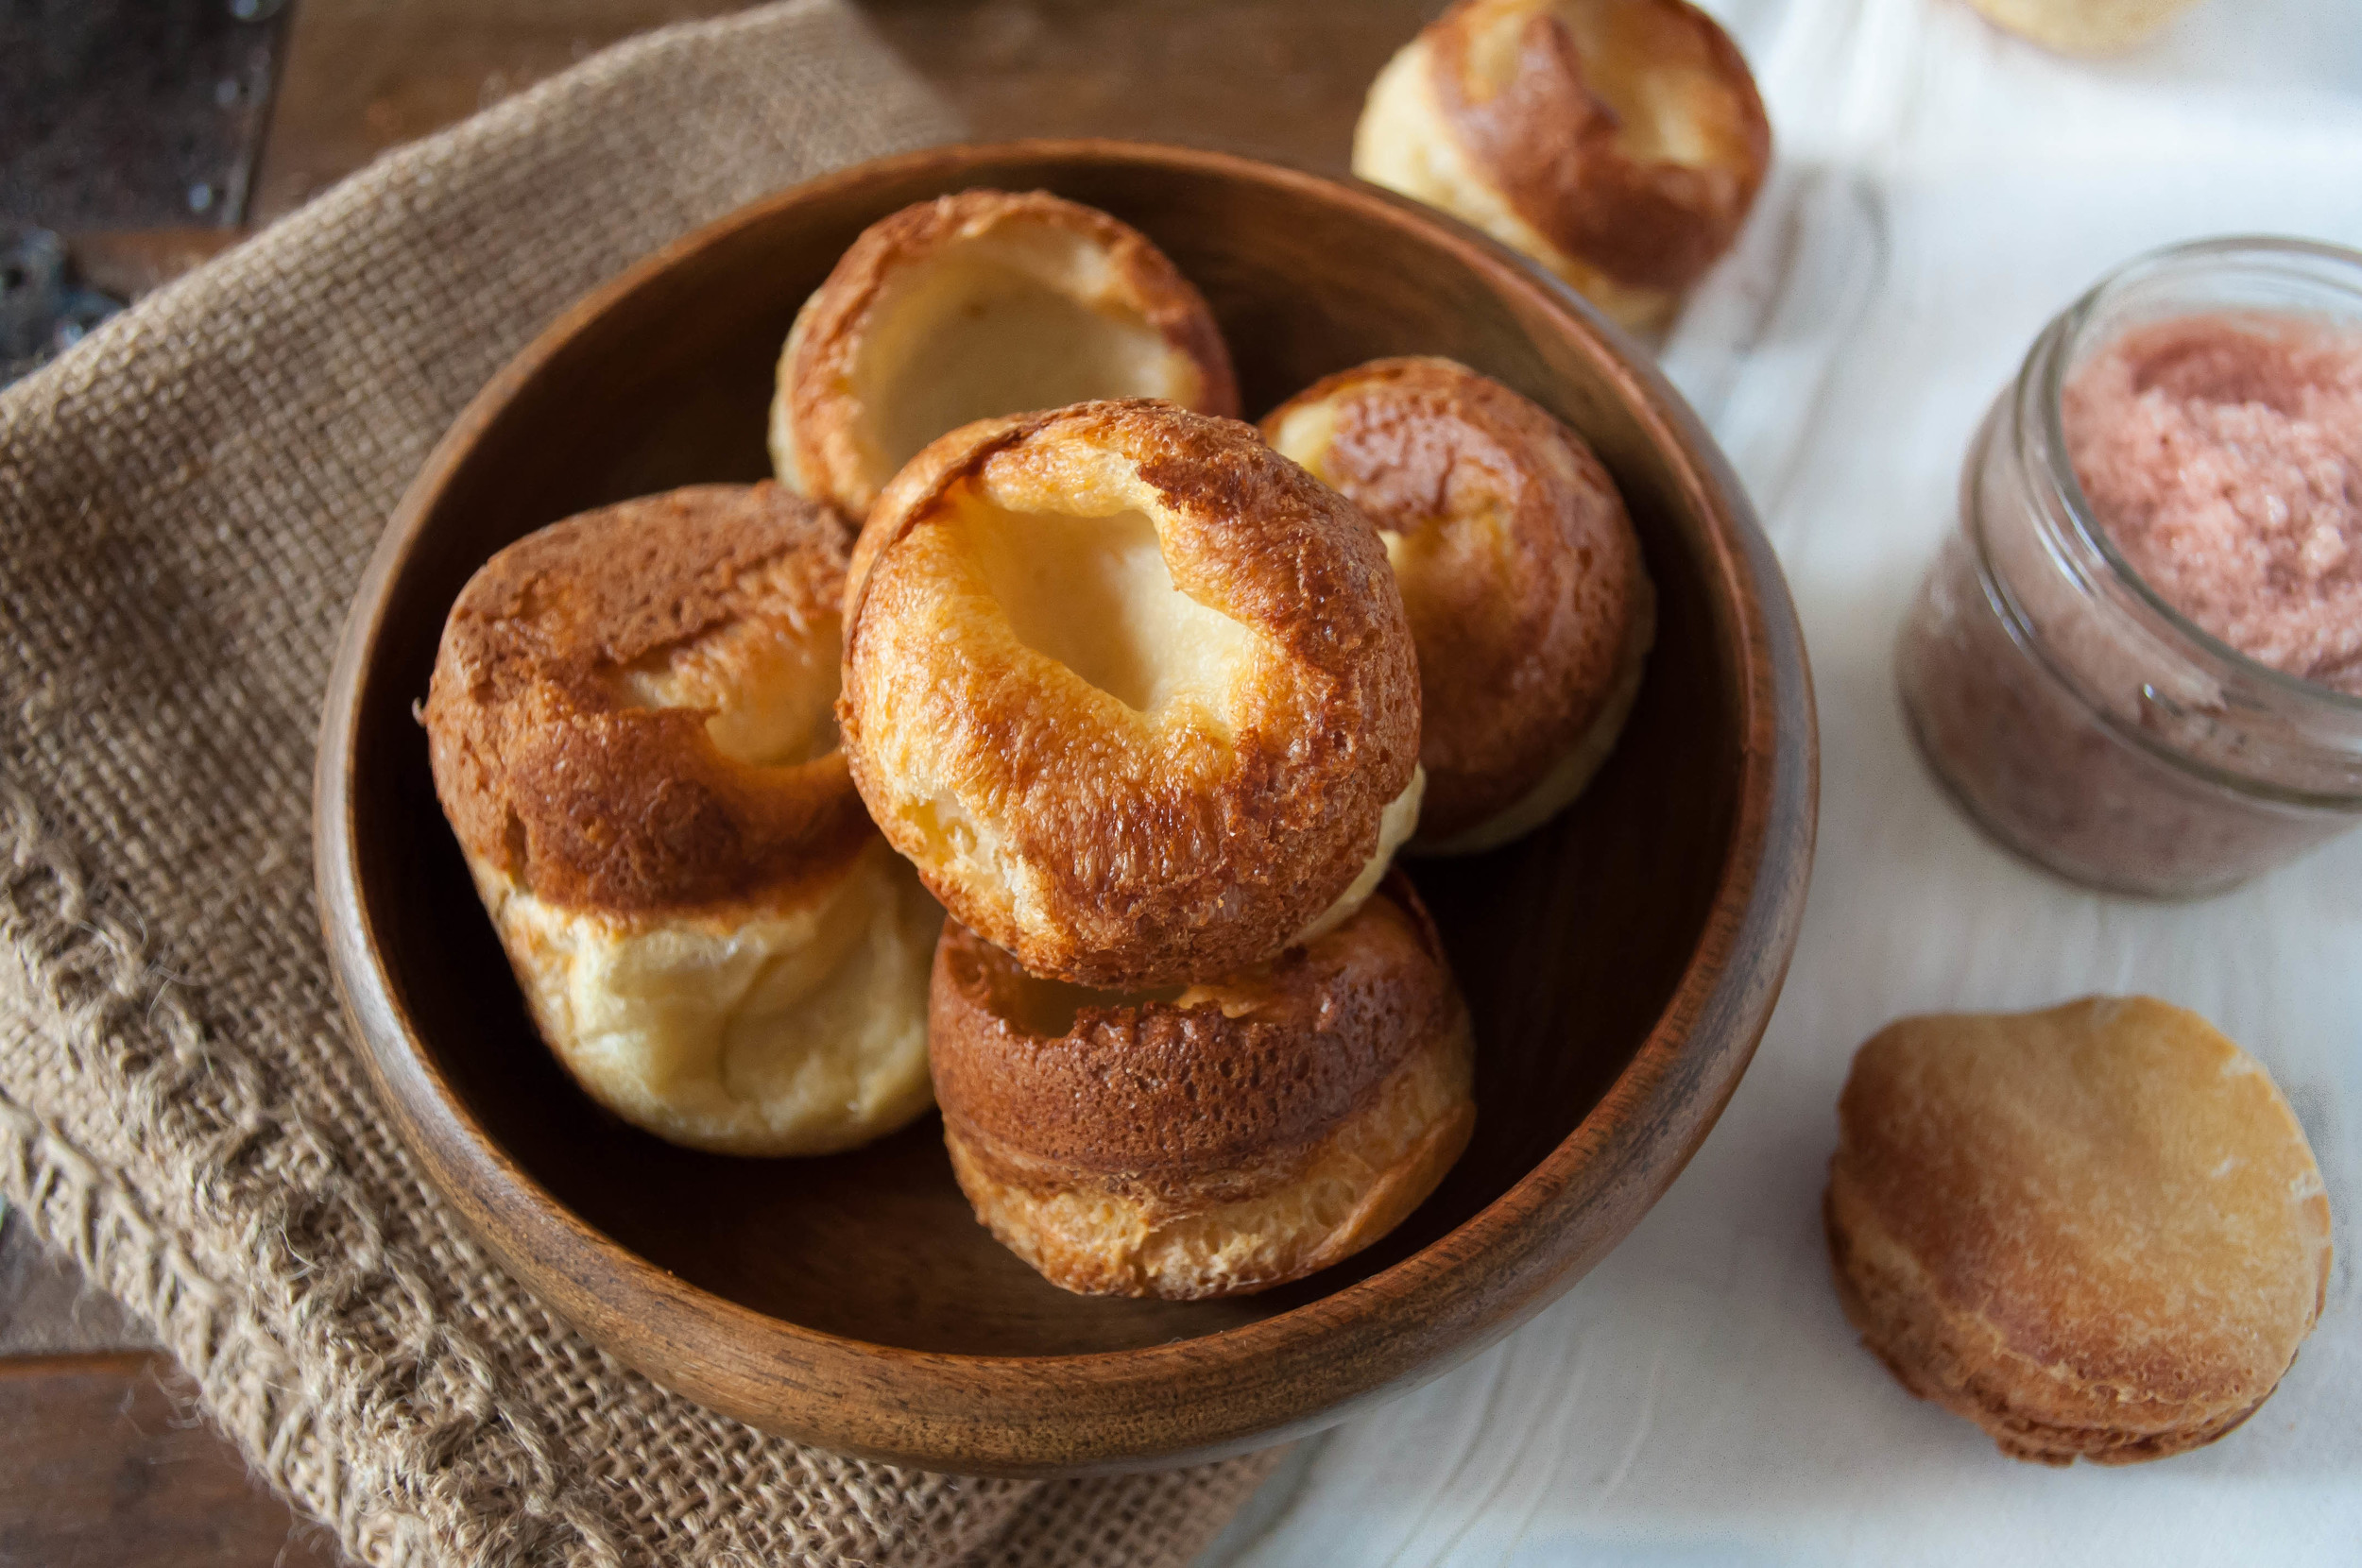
1620, 964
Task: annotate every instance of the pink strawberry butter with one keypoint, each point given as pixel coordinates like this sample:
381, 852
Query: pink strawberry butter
2137, 660
2222, 456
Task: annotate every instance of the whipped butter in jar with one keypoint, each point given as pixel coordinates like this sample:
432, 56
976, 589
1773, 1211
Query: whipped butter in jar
2138, 661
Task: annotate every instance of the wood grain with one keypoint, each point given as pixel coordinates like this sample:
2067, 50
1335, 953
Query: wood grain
1280, 79
128, 263
1620, 964
102, 1462
362, 76
1276, 79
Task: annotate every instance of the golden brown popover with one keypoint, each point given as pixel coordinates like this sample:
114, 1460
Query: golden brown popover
2085, 26
1134, 692
1520, 572
1212, 1140
2094, 1231
984, 303
631, 734
1620, 143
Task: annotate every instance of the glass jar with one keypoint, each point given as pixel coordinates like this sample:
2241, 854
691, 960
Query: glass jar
2073, 713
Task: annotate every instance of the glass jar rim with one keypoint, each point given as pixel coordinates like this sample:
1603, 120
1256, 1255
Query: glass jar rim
2069, 328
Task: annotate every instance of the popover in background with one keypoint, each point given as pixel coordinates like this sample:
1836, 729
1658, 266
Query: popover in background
1522, 578
1134, 692
974, 305
2085, 26
631, 735
1620, 143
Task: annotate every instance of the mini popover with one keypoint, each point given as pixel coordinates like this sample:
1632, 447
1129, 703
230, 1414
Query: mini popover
1620, 143
984, 303
1521, 576
2096, 1231
630, 727
2085, 26
1212, 1140
1135, 693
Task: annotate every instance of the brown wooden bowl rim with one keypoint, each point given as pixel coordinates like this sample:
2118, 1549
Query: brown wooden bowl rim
1397, 1323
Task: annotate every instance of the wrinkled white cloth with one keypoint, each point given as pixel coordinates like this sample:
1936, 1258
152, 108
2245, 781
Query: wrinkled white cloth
1942, 191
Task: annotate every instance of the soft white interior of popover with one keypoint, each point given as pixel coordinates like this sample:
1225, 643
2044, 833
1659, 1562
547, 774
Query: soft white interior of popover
795, 1030
1023, 318
1095, 594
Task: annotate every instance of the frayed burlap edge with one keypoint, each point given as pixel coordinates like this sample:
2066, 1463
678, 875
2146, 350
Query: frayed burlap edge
81, 974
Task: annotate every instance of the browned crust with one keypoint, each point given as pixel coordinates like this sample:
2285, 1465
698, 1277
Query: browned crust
1171, 1096
835, 323
1520, 572
1229, 1094
1549, 140
551, 777
1949, 1359
2021, 1297
1160, 865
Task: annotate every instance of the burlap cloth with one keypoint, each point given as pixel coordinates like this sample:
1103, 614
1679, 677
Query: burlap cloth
186, 502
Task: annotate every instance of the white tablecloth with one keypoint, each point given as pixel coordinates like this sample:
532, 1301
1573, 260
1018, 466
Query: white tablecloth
1942, 190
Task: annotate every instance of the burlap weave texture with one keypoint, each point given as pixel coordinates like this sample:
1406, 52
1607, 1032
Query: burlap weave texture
186, 502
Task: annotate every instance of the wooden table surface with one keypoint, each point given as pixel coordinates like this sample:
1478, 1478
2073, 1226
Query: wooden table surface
101, 1462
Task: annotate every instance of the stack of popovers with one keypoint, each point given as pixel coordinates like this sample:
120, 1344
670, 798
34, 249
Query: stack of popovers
1137, 697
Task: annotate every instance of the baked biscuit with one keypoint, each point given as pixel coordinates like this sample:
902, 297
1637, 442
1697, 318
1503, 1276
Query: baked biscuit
1520, 573
1620, 143
1212, 1140
1135, 693
631, 734
974, 305
2095, 1230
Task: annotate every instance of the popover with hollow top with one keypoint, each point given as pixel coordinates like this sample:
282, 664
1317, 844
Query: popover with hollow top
1520, 573
631, 734
1135, 693
2096, 1231
1620, 143
1214, 1140
974, 305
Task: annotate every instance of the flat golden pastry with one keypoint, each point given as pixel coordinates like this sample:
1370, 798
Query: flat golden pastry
1212, 1140
2096, 1231
1620, 143
1520, 574
630, 729
1135, 693
984, 303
